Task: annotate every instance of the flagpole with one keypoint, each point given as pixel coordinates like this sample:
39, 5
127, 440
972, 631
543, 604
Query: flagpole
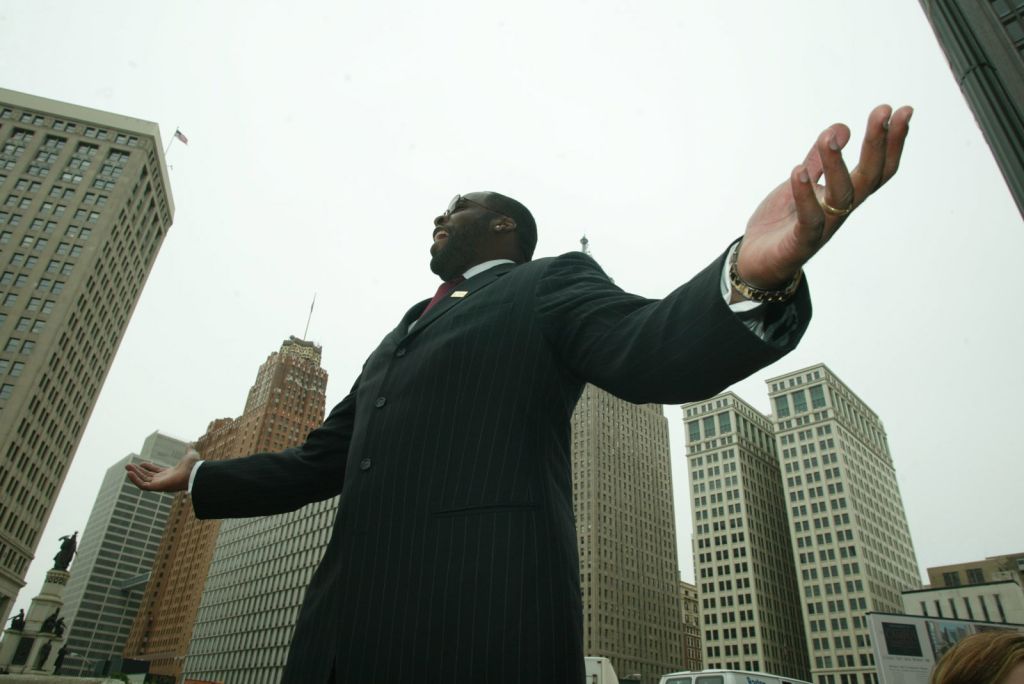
167, 149
306, 331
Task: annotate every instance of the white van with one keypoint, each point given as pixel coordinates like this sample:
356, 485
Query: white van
600, 671
726, 677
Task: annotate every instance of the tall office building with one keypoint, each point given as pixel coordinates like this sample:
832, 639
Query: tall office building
984, 44
750, 608
625, 523
262, 566
692, 655
284, 404
852, 543
112, 567
86, 204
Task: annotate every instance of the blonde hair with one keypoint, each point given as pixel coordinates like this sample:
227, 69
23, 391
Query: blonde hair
983, 658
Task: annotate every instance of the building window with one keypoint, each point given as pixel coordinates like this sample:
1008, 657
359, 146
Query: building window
951, 579
799, 401
724, 424
694, 427
999, 607
782, 406
6, 390
709, 427
975, 576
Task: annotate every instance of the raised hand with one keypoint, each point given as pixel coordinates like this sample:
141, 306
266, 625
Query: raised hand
154, 478
799, 216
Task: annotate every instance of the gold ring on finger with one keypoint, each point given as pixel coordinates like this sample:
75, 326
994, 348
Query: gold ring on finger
829, 209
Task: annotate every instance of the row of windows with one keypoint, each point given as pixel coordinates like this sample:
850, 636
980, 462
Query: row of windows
72, 127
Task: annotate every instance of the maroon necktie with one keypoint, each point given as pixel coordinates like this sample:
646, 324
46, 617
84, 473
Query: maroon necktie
443, 291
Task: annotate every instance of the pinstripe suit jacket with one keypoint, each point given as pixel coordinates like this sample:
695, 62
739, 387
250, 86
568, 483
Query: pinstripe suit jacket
453, 556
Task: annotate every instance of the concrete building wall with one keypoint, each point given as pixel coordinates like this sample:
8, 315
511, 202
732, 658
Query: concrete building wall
625, 522
85, 205
991, 569
1001, 601
115, 556
984, 43
750, 610
852, 546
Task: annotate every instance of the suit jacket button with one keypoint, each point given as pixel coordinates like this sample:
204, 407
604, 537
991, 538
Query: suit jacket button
400, 352
380, 402
365, 464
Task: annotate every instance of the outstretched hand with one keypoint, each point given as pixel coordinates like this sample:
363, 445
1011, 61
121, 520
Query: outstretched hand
154, 478
799, 216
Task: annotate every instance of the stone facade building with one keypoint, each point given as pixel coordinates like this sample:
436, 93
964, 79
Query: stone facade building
85, 205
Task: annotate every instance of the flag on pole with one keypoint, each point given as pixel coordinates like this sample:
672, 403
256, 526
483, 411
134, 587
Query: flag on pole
180, 136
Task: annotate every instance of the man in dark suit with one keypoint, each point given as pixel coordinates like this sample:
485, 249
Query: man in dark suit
453, 556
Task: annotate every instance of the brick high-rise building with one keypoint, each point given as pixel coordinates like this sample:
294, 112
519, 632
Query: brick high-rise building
852, 543
284, 404
692, 654
625, 524
118, 547
750, 608
85, 205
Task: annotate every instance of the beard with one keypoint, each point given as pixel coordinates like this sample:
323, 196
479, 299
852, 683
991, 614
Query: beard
460, 251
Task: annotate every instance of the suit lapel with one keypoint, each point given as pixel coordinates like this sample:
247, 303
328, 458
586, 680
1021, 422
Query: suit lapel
461, 293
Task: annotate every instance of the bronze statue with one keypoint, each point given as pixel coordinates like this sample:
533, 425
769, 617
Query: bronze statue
18, 621
44, 653
50, 622
58, 627
59, 663
68, 546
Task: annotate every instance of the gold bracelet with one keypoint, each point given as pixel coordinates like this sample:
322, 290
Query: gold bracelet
756, 294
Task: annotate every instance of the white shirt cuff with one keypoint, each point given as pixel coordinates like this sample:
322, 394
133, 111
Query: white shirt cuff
192, 476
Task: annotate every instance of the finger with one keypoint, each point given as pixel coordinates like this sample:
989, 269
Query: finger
137, 477
810, 217
152, 467
899, 127
838, 191
867, 176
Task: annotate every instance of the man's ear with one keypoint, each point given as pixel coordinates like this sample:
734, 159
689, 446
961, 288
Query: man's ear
503, 225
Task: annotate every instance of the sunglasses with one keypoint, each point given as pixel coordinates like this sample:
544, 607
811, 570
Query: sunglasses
454, 204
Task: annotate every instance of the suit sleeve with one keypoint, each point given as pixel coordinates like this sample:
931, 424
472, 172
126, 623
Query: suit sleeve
269, 483
685, 347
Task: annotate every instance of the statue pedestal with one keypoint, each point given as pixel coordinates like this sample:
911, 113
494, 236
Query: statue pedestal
33, 650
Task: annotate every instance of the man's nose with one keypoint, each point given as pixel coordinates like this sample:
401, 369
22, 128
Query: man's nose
439, 220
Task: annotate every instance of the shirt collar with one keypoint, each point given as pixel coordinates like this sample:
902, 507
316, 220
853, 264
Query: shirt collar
480, 268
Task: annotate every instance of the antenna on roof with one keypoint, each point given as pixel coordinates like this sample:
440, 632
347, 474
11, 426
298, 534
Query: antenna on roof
585, 245
306, 331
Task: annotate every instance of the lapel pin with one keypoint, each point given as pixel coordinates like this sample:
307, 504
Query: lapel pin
459, 294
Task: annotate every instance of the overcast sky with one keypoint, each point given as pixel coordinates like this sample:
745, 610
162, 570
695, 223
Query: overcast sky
325, 137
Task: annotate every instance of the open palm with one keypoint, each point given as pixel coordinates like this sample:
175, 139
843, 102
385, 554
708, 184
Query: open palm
799, 216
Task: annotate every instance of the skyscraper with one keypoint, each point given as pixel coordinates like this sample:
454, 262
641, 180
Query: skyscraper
852, 543
262, 566
984, 44
284, 404
625, 523
750, 609
112, 567
86, 205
